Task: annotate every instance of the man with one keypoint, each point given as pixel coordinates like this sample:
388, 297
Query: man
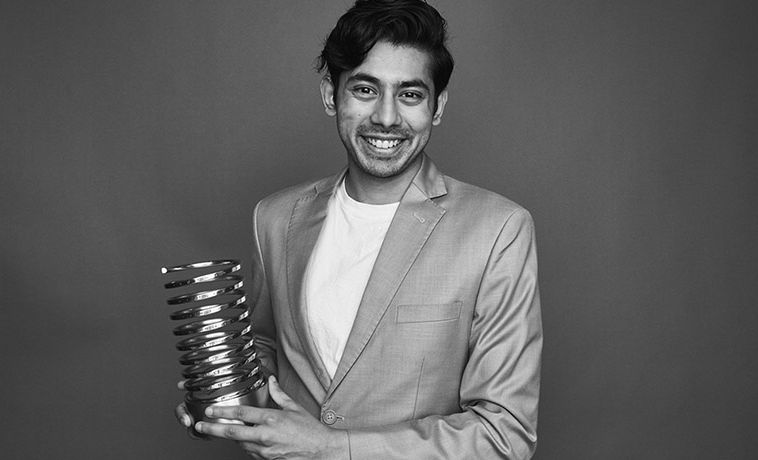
397, 307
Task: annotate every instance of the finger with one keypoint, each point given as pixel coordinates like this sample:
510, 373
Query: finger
183, 416
233, 431
279, 396
255, 456
247, 414
180, 384
252, 449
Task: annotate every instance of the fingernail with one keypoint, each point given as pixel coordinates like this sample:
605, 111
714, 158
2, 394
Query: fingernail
186, 420
209, 411
199, 427
273, 379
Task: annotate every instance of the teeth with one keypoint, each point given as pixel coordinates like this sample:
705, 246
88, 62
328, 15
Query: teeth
382, 143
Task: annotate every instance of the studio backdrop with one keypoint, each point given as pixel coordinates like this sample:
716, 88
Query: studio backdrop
139, 134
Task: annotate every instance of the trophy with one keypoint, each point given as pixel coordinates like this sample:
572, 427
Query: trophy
222, 367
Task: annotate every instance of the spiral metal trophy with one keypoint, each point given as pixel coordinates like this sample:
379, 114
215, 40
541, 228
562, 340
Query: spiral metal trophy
222, 367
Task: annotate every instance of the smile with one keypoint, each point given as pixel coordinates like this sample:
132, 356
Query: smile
383, 143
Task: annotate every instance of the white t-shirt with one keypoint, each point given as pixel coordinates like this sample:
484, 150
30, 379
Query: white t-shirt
339, 268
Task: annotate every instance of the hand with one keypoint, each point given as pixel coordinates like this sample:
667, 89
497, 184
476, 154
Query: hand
290, 432
184, 417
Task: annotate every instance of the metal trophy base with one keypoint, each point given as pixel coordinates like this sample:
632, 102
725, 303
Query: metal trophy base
256, 397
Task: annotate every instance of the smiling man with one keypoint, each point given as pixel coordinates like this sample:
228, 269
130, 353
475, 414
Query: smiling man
396, 308
385, 110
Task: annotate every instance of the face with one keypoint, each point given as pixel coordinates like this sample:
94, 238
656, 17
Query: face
385, 109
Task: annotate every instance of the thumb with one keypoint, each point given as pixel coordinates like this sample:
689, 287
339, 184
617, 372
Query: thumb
280, 397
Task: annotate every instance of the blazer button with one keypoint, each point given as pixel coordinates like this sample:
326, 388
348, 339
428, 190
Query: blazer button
329, 417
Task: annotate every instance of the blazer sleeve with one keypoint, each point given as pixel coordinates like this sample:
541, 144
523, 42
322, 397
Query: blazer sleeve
263, 327
500, 385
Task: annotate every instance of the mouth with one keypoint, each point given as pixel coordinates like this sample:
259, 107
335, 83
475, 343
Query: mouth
382, 144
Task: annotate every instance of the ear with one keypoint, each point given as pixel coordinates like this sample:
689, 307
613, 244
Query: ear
441, 101
327, 96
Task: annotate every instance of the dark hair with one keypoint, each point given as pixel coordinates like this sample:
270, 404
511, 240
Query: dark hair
400, 22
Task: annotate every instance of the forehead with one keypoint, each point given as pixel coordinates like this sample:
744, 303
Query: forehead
392, 64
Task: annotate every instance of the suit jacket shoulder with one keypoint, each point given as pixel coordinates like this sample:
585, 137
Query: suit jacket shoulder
477, 200
274, 211
485, 214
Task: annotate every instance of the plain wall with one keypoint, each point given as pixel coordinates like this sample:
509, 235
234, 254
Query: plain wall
139, 134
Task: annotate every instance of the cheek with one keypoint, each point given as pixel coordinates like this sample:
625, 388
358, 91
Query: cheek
422, 128
419, 120
348, 116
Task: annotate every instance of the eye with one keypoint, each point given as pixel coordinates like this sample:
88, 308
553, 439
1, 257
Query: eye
363, 92
411, 97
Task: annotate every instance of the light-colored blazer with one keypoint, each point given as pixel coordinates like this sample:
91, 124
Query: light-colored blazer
443, 360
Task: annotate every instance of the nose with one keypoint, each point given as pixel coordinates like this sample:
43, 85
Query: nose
386, 113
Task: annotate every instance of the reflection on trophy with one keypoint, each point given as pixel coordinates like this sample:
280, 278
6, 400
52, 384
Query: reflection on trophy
222, 368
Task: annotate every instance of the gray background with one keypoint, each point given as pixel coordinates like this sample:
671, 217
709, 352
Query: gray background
138, 134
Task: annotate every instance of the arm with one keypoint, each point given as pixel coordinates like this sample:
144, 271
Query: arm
500, 384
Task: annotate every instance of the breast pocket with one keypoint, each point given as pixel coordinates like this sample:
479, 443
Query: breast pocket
428, 313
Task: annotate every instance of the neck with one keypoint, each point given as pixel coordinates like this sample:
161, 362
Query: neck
369, 189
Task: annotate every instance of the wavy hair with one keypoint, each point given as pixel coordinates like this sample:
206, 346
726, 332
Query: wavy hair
400, 22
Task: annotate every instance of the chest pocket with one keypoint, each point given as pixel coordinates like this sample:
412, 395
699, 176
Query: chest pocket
428, 313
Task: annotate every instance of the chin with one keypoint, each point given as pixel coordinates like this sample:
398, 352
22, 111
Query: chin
384, 168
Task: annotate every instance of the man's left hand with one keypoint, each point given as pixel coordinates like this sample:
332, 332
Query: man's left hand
289, 432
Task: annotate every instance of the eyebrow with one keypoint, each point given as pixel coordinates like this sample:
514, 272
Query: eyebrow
416, 83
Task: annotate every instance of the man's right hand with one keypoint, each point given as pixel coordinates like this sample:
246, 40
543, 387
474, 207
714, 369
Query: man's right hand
183, 416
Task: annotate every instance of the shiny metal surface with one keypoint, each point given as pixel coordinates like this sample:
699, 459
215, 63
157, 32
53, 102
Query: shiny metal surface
219, 350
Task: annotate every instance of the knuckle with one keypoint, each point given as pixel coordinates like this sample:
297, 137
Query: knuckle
230, 431
270, 419
265, 439
239, 412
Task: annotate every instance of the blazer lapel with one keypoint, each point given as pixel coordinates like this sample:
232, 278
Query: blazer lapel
303, 231
414, 221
